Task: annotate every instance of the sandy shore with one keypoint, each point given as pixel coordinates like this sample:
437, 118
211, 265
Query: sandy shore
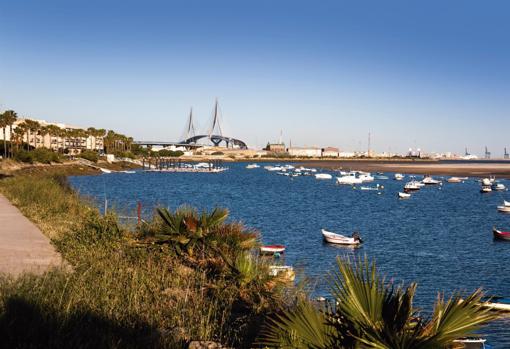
500, 170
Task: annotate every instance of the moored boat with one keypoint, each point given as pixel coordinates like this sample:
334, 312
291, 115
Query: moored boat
323, 176
501, 235
398, 176
496, 303
454, 180
412, 186
338, 239
404, 195
349, 179
504, 209
471, 343
285, 272
250, 166
428, 180
486, 189
272, 249
498, 186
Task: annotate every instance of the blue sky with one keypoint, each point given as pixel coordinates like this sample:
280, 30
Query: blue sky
431, 74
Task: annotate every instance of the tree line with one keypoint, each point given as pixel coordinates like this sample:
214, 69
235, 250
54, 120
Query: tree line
63, 138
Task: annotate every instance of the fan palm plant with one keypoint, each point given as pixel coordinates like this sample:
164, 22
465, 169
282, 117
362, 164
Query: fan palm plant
10, 118
372, 313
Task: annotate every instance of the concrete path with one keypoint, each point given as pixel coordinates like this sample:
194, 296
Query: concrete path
23, 247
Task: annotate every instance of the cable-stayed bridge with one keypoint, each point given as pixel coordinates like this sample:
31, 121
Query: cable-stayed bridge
191, 139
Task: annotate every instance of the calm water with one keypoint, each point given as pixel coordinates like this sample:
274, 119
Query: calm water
440, 238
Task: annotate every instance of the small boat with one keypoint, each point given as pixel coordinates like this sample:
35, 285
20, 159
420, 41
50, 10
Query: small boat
501, 235
486, 189
498, 186
366, 177
454, 180
250, 166
349, 179
380, 177
404, 195
323, 176
338, 239
506, 203
428, 180
131, 172
105, 170
272, 249
496, 303
370, 188
504, 209
412, 186
471, 343
398, 176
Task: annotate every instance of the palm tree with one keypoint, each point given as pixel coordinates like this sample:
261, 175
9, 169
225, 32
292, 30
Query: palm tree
10, 118
3, 125
43, 131
19, 132
33, 126
371, 313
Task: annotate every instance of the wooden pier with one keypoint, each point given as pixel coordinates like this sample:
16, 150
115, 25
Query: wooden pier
161, 164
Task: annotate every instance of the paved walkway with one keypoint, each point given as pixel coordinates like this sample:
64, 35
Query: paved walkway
23, 247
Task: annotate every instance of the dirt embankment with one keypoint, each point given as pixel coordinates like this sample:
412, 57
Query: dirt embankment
485, 169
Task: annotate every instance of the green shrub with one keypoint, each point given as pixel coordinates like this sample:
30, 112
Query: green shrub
42, 155
171, 153
89, 155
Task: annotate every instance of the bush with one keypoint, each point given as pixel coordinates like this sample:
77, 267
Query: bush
89, 155
42, 155
170, 153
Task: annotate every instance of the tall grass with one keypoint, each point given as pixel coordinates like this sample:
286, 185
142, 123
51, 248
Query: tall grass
115, 294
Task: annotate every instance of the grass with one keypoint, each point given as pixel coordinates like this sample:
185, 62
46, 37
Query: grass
117, 294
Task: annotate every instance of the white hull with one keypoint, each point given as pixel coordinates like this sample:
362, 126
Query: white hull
323, 176
339, 239
404, 195
348, 180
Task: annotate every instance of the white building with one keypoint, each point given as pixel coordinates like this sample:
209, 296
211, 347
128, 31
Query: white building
305, 152
330, 152
73, 143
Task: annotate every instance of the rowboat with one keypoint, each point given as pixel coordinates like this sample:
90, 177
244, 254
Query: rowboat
272, 249
323, 176
501, 235
496, 303
250, 166
404, 195
371, 188
504, 209
338, 239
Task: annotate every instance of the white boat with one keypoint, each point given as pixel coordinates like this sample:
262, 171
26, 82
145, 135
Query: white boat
323, 176
497, 303
404, 195
428, 180
504, 209
398, 176
470, 343
506, 203
370, 188
274, 168
454, 180
250, 166
381, 177
486, 189
498, 186
350, 179
272, 249
105, 170
412, 186
128, 172
366, 177
341, 239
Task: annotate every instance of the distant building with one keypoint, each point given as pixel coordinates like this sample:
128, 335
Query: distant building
305, 152
346, 154
73, 143
275, 147
330, 152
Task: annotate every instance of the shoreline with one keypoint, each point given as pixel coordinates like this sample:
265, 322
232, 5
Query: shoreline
479, 169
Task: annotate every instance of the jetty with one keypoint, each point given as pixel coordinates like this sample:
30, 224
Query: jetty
177, 165
23, 247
